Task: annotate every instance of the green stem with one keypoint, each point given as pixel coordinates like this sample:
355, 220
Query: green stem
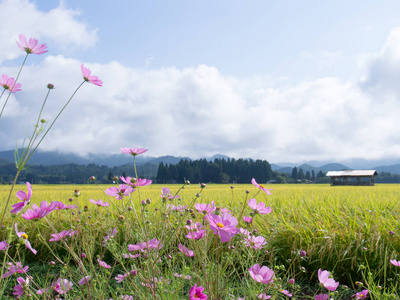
15, 82
9, 197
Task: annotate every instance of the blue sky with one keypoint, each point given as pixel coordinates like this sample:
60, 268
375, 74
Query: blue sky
277, 80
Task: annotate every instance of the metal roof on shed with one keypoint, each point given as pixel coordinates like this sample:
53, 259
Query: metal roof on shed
352, 173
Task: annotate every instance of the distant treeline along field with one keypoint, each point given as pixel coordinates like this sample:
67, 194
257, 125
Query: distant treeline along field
196, 171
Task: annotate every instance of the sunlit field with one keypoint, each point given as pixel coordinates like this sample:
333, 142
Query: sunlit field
350, 231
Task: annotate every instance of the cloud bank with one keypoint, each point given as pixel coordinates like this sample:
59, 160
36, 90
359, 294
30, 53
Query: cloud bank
197, 111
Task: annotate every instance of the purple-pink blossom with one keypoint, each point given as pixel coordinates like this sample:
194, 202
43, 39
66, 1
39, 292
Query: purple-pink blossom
132, 181
185, 250
110, 234
322, 297
259, 208
31, 46
103, 264
248, 220
133, 151
24, 197
84, 280
262, 274
20, 288
361, 295
329, 283
24, 239
205, 209
62, 235
99, 202
264, 296
90, 78
395, 262
4, 245
17, 268
255, 242
224, 226
119, 193
196, 292
62, 286
286, 293
152, 244
165, 193
261, 187
9, 84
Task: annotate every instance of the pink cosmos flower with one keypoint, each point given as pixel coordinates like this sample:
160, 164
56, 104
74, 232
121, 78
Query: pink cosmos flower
248, 220
132, 181
25, 198
119, 193
196, 233
395, 263
264, 274
133, 151
187, 277
322, 297
131, 256
165, 193
185, 250
286, 292
110, 234
84, 280
261, 187
172, 207
329, 283
9, 84
264, 296
56, 205
224, 226
17, 268
90, 78
21, 287
196, 292
255, 242
35, 214
62, 235
205, 209
3, 245
31, 46
259, 208
24, 239
103, 264
62, 286
361, 295
99, 202
152, 244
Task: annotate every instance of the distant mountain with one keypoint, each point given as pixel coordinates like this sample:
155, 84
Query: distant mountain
113, 160
394, 169
218, 156
333, 167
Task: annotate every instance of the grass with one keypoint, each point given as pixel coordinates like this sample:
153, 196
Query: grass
342, 229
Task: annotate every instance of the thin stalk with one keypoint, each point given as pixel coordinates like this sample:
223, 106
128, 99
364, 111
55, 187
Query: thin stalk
15, 82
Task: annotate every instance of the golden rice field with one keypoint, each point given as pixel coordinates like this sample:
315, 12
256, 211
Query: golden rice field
342, 229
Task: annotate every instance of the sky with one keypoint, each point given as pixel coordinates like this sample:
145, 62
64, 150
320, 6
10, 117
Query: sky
285, 81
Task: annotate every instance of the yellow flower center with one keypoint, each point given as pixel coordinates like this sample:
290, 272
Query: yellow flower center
220, 225
261, 185
25, 236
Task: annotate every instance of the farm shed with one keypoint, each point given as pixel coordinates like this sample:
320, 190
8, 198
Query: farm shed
354, 177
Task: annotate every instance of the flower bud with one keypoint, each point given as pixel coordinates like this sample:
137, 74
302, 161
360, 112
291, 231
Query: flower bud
83, 255
133, 273
121, 218
203, 185
232, 187
247, 191
71, 199
291, 281
148, 201
144, 203
130, 208
92, 179
85, 208
77, 193
50, 86
188, 222
42, 121
187, 182
115, 178
303, 253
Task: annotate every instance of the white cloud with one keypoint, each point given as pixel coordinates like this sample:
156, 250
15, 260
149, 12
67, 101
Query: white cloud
197, 111
59, 25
